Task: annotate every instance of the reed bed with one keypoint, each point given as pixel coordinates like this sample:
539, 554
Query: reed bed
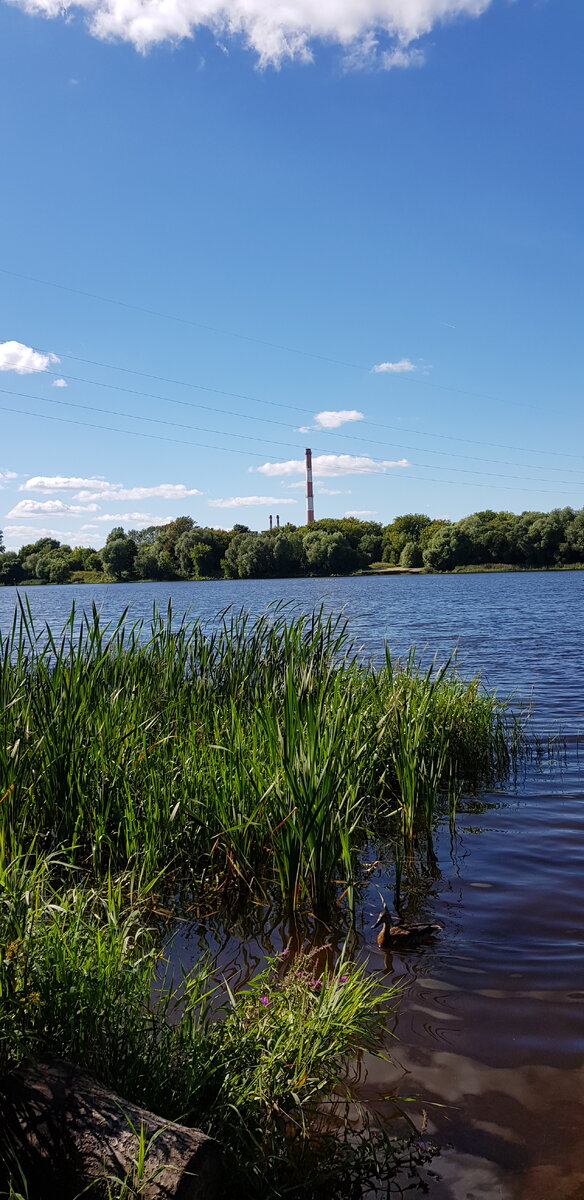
203, 763
258, 754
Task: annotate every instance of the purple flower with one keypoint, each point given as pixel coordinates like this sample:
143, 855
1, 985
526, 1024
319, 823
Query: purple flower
315, 983
265, 1000
343, 978
284, 953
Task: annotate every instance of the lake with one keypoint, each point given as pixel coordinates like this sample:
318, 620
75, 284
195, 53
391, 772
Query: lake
491, 1027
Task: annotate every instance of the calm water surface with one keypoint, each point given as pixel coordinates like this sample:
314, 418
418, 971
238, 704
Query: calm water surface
491, 1029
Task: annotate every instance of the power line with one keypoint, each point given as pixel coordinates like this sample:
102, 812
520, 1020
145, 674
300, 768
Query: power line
296, 408
288, 425
112, 412
231, 450
250, 338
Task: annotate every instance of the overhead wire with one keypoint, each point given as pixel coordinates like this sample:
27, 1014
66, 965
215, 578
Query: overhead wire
288, 425
247, 337
203, 445
297, 408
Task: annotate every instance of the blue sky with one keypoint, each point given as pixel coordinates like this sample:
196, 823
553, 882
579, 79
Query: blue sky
294, 200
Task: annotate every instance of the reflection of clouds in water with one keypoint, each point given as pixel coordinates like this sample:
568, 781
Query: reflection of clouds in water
464, 1177
453, 1078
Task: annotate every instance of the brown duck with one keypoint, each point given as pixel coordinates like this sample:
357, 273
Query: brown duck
391, 936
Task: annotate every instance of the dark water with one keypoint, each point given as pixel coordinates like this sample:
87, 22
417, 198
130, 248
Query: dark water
491, 1027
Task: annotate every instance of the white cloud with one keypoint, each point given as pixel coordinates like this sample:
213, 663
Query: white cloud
324, 465
163, 491
14, 356
249, 501
393, 368
60, 483
365, 54
52, 508
134, 518
6, 476
375, 31
329, 419
322, 491
97, 488
59, 383
362, 512
16, 533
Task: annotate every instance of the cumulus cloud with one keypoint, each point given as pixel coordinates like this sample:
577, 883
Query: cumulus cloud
97, 488
370, 32
249, 501
393, 368
14, 356
59, 383
330, 419
52, 508
324, 465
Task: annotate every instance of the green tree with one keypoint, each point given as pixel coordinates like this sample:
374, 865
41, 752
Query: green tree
449, 548
11, 571
408, 528
411, 555
119, 554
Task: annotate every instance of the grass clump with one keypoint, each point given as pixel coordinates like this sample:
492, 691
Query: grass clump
81, 977
250, 753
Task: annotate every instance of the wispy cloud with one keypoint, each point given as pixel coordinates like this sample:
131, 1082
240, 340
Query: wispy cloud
60, 383
15, 356
367, 54
393, 368
133, 518
52, 508
249, 501
96, 488
324, 491
362, 512
372, 31
16, 534
6, 476
324, 465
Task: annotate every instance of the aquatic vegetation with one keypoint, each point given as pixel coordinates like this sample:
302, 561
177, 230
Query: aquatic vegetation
81, 977
251, 754
150, 771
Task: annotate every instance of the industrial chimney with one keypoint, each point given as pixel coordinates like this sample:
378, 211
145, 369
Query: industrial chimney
277, 521
309, 491
270, 520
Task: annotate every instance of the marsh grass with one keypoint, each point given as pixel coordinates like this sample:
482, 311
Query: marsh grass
81, 978
253, 754
150, 770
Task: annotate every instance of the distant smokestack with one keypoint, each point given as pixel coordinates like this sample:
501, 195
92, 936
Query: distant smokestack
277, 521
270, 520
309, 491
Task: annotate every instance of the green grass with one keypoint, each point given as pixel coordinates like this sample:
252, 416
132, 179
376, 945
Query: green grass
82, 977
150, 771
253, 755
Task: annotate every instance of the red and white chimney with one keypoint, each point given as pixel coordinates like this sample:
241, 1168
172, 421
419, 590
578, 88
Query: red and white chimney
309, 489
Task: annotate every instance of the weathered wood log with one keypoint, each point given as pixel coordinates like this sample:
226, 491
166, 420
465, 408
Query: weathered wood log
66, 1131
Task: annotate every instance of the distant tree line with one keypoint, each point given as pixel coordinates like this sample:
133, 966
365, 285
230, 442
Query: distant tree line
184, 550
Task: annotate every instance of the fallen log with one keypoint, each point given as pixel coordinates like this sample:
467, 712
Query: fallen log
65, 1131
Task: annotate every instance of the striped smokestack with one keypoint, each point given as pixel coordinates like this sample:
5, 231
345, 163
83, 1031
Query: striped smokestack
309, 490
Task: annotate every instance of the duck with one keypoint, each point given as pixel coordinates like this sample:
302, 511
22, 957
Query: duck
393, 935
